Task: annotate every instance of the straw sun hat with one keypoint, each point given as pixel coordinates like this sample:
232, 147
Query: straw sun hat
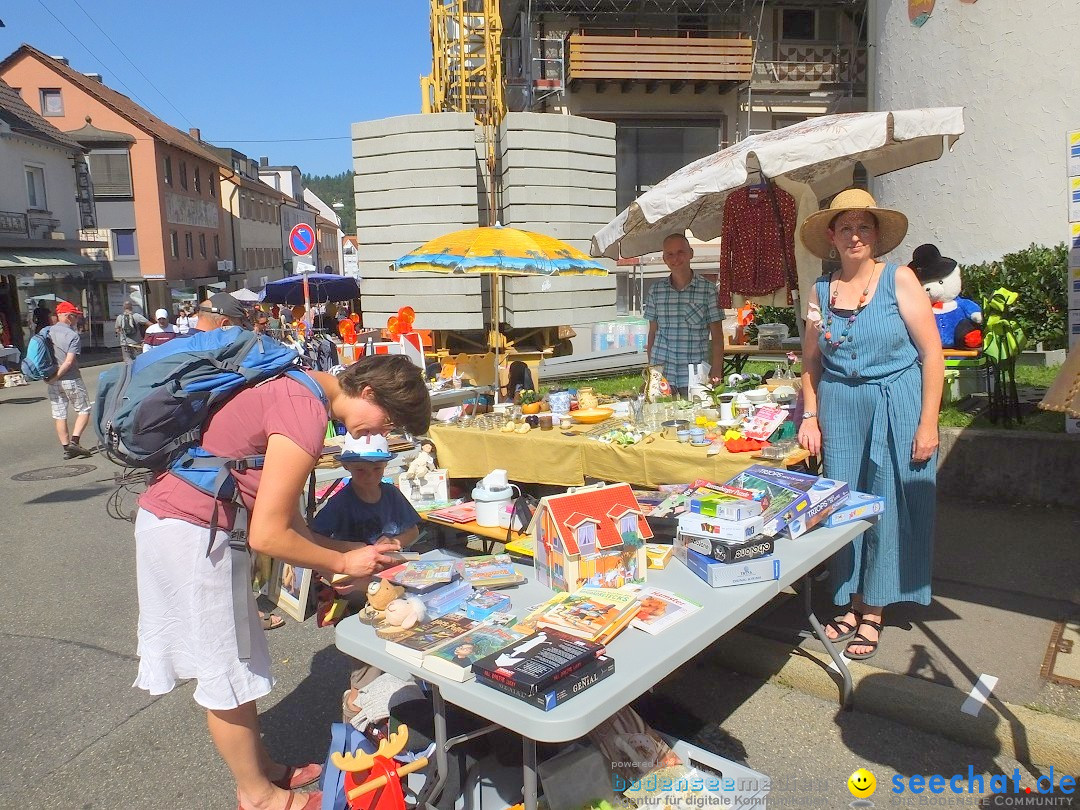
892, 225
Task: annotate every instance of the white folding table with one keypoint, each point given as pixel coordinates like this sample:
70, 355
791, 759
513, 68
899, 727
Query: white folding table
641, 661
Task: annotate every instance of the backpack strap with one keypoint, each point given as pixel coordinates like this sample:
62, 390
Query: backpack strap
311, 385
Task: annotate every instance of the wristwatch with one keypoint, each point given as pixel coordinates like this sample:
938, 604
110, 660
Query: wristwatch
809, 414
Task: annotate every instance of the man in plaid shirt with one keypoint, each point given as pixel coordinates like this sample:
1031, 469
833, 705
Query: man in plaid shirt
683, 314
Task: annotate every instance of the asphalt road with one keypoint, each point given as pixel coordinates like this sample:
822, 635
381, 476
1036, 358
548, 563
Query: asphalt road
76, 734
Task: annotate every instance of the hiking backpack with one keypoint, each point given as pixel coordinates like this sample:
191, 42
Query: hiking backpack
128, 327
40, 361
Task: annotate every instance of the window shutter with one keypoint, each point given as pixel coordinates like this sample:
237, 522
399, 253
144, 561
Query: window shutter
111, 173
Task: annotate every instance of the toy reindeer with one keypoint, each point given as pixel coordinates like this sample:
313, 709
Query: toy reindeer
381, 788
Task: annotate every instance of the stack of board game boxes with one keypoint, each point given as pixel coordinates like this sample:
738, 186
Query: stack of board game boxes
728, 536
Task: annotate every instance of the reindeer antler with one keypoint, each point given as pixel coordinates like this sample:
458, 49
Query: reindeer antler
388, 749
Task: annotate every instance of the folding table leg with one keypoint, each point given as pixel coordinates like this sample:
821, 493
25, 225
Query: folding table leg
830, 648
528, 773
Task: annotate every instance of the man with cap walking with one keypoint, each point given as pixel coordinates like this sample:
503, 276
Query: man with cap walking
161, 331
128, 324
221, 309
67, 386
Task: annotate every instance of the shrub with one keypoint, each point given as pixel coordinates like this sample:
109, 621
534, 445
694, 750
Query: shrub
1038, 274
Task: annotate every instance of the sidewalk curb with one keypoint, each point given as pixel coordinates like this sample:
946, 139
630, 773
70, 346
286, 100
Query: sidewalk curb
1026, 735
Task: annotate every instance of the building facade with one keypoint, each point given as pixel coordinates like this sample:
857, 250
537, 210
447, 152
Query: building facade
289, 182
179, 228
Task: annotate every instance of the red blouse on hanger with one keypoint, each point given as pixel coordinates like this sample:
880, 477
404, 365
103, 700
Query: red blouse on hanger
755, 243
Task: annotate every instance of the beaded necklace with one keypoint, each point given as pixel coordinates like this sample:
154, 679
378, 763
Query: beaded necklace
845, 336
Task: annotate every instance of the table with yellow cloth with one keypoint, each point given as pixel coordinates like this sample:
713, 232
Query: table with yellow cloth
550, 457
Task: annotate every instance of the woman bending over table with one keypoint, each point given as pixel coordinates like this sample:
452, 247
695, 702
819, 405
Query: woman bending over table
189, 626
872, 379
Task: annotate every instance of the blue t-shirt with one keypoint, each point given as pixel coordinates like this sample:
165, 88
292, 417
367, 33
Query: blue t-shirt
346, 517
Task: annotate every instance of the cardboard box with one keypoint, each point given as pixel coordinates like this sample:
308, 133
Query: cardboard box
1072, 280
858, 506
717, 529
728, 552
1074, 328
1074, 244
722, 575
1074, 199
1073, 159
725, 507
825, 496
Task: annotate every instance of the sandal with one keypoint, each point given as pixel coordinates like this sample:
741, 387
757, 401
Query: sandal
859, 640
311, 801
844, 630
299, 777
271, 621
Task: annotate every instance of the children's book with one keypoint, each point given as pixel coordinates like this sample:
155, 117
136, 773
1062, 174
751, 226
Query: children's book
538, 661
489, 571
660, 609
528, 623
763, 423
589, 613
562, 690
454, 660
461, 513
421, 575
417, 642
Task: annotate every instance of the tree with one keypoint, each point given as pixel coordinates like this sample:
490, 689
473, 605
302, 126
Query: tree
336, 188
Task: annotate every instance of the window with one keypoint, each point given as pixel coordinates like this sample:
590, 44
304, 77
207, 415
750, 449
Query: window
217, 246
212, 181
52, 103
35, 188
111, 172
123, 242
798, 23
628, 525
202, 245
174, 244
183, 174
648, 151
586, 537
198, 180
189, 245
166, 169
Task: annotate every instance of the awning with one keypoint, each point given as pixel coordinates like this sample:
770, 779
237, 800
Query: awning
28, 261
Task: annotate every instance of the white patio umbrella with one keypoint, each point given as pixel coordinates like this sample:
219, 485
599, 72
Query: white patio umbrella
820, 152
245, 295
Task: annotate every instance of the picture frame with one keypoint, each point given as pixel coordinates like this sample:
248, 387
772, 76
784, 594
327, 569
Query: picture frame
290, 588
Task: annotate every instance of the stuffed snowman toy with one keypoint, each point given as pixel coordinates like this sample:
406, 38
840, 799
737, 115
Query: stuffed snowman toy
958, 318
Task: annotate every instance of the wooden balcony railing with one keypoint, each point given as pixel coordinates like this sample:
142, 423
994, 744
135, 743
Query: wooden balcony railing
689, 59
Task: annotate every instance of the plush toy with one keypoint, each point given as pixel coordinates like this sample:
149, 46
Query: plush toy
958, 319
380, 593
400, 615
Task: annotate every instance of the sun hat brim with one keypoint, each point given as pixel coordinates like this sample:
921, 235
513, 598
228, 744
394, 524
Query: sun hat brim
372, 457
892, 225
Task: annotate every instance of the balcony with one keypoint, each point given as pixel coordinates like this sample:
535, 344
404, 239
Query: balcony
37, 229
803, 66
676, 61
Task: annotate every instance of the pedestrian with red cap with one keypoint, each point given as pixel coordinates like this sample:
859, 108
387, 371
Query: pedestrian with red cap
66, 387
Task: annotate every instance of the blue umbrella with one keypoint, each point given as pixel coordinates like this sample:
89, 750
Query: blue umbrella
322, 287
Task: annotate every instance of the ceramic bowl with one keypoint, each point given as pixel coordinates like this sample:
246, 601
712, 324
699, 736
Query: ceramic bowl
591, 416
758, 395
784, 394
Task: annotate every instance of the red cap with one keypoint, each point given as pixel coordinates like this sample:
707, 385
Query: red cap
67, 308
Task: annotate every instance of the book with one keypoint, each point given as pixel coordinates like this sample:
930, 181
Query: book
454, 659
415, 643
782, 494
455, 591
489, 571
764, 422
588, 612
421, 575
483, 603
461, 513
527, 623
660, 609
858, 506
658, 555
537, 661
562, 690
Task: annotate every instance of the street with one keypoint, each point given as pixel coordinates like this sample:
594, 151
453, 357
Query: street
76, 733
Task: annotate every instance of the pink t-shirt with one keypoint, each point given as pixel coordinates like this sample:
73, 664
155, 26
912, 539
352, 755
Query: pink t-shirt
242, 428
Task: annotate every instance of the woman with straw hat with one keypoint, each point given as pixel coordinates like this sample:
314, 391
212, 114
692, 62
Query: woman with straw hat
872, 380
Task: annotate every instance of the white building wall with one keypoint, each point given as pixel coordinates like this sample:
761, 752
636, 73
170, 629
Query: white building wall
1012, 66
16, 153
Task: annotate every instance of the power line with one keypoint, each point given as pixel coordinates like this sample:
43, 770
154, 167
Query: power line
85, 48
128, 58
279, 140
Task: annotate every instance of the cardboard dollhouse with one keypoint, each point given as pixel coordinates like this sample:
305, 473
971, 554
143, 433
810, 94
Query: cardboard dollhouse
592, 536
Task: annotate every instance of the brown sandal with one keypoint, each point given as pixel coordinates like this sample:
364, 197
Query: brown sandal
844, 630
859, 640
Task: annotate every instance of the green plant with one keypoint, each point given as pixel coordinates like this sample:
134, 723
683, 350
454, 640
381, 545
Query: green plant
1038, 274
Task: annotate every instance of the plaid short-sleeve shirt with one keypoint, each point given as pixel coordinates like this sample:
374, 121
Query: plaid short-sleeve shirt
683, 318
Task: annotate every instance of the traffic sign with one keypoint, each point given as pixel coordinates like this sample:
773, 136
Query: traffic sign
302, 239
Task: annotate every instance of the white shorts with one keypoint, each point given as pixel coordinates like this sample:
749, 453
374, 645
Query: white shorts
63, 392
187, 624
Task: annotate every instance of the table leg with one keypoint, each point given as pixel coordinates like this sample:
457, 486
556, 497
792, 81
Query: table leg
528, 773
438, 706
830, 648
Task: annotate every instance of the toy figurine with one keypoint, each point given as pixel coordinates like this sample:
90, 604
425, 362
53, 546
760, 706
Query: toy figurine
380, 593
380, 789
958, 319
424, 462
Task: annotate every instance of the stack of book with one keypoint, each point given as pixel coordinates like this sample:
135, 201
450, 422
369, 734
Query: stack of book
545, 669
489, 571
418, 641
459, 513
593, 614
421, 575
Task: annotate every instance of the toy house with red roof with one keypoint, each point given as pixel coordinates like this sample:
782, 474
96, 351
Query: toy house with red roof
594, 536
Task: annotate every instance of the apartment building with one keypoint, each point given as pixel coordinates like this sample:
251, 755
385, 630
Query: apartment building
328, 234
45, 205
288, 181
178, 228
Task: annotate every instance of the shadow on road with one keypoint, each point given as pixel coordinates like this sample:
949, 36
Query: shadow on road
70, 495
24, 400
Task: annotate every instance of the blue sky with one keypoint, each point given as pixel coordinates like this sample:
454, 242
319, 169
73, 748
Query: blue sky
245, 70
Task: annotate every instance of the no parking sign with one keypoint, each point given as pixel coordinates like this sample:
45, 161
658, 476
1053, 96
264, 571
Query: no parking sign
302, 239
